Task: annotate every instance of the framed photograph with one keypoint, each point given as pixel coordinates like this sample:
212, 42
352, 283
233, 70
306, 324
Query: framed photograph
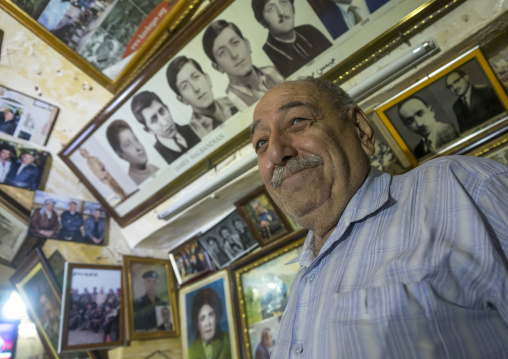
26, 117
68, 219
443, 110
56, 262
180, 129
151, 298
190, 261
263, 217
207, 316
228, 240
92, 308
262, 287
22, 166
107, 39
41, 296
13, 228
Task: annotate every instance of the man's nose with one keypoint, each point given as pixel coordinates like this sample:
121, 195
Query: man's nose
280, 149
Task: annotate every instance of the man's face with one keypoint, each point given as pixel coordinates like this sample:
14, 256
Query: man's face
97, 214
72, 207
159, 121
457, 84
195, 87
27, 159
279, 16
238, 225
213, 245
268, 339
232, 53
5, 154
206, 323
418, 117
258, 208
151, 285
49, 206
293, 121
131, 149
46, 307
84, 153
8, 115
165, 315
225, 234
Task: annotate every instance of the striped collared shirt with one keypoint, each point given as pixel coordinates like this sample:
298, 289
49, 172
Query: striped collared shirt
416, 268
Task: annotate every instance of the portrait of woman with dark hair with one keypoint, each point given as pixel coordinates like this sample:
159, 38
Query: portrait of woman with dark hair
210, 341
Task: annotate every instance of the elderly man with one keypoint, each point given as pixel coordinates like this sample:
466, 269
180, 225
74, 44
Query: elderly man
145, 306
95, 228
194, 88
392, 267
72, 220
287, 46
265, 343
44, 221
268, 222
24, 173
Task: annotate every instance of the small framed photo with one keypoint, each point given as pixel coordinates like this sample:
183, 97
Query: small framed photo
68, 219
190, 261
207, 318
13, 228
262, 287
450, 107
151, 298
92, 308
39, 291
263, 217
228, 240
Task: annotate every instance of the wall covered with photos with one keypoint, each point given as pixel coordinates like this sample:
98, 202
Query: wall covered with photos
30, 66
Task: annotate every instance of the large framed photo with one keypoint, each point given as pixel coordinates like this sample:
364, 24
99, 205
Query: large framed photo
190, 261
26, 117
207, 317
67, 219
191, 107
228, 240
262, 286
92, 308
41, 296
108, 39
151, 298
263, 217
13, 228
457, 103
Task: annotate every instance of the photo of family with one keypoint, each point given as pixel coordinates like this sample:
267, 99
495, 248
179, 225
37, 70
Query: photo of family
190, 261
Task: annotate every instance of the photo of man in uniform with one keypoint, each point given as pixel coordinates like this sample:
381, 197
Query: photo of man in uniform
173, 140
145, 318
24, 173
71, 220
166, 319
419, 117
128, 147
287, 46
475, 103
44, 221
268, 222
194, 88
230, 53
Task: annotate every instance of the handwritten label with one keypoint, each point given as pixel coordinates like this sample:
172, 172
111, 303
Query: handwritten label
324, 68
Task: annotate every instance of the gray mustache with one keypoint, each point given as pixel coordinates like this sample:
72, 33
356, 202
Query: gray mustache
294, 165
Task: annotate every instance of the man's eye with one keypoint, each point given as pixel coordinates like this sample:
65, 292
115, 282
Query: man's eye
297, 120
419, 113
259, 144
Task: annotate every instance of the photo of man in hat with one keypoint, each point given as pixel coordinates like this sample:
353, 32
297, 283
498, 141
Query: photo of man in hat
44, 221
24, 173
145, 317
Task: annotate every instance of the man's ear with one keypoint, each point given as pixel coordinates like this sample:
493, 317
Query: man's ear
363, 129
217, 67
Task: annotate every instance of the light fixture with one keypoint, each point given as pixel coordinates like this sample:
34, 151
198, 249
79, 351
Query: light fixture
14, 307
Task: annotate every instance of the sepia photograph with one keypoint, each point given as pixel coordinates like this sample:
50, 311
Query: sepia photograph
190, 261
13, 229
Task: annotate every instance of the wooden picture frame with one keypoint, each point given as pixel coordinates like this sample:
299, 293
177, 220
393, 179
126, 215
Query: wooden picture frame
228, 240
168, 166
262, 286
87, 324
210, 294
190, 261
439, 96
13, 228
268, 226
147, 277
108, 40
41, 295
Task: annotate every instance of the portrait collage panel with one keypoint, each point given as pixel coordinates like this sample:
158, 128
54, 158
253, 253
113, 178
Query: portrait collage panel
22, 166
228, 240
453, 103
190, 261
26, 117
67, 219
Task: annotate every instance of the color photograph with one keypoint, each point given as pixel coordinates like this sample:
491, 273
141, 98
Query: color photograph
190, 261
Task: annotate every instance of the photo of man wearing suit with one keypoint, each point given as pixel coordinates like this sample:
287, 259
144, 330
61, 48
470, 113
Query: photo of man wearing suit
338, 16
173, 140
475, 103
24, 173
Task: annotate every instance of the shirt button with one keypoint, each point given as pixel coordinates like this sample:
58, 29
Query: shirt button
298, 348
311, 277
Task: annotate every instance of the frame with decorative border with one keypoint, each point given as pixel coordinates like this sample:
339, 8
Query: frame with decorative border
41, 295
151, 298
207, 298
126, 199
109, 40
265, 220
190, 261
259, 304
87, 324
430, 118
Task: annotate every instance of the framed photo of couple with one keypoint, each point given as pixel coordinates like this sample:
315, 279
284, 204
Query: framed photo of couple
454, 106
191, 107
